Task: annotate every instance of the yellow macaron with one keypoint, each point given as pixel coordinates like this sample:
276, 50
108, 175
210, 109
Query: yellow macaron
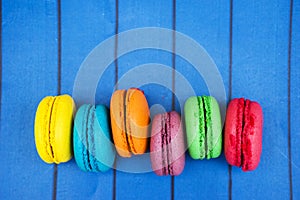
53, 128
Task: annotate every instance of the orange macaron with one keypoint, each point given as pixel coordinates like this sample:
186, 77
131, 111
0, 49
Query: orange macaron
130, 118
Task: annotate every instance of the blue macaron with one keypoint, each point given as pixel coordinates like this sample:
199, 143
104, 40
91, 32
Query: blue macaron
92, 143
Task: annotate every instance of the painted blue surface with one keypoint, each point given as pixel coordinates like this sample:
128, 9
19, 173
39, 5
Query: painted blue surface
84, 25
29, 72
260, 63
295, 99
208, 24
259, 73
135, 14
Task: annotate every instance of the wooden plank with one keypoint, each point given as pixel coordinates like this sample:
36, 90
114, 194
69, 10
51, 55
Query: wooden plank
84, 26
139, 14
29, 73
208, 24
295, 99
259, 72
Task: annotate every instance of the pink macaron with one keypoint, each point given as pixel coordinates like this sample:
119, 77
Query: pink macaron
167, 146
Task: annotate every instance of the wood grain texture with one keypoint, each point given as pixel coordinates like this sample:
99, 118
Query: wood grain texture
29, 73
84, 26
295, 98
259, 72
208, 24
264, 49
139, 14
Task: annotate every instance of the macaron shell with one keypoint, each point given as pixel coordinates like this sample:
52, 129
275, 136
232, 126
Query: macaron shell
176, 145
54, 144
233, 132
167, 150
252, 136
62, 126
104, 151
117, 114
195, 127
93, 148
137, 120
42, 129
156, 150
213, 127
79, 137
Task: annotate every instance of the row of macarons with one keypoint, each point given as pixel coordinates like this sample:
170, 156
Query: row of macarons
95, 133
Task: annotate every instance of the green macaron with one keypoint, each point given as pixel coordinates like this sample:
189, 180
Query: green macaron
203, 127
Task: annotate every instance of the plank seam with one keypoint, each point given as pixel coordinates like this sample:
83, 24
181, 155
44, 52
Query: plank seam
58, 47
116, 45
116, 86
55, 170
173, 74
289, 99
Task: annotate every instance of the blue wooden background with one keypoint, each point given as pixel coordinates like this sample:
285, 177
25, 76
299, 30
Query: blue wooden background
255, 44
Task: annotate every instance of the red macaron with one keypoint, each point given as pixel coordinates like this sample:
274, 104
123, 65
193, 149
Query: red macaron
243, 133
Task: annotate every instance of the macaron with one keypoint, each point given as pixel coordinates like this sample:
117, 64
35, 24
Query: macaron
243, 133
53, 128
93, 147
129, 112
167, 145
203, 127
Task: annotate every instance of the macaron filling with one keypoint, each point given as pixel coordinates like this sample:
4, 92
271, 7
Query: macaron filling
87, 162
164, 155
127, 121
208, 127
239, 132
242, 131
202, 128
166, 137
166, 148
89, 152
124, 121
246, 155
50, 137
91, 135
205, 140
